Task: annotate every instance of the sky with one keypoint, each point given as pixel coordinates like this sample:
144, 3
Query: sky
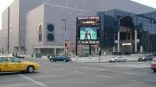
5, 3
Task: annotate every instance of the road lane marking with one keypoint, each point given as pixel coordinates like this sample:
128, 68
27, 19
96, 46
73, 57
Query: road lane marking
131, 73
94, 69
151, 80
102, 69
135, 81
79, 72
62, 69
36, 82
104, 76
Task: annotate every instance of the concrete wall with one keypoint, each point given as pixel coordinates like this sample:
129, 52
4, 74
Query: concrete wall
18, 11
3, 35
87, 5
25, 7
14, 24
125, 5
69, 10
33, 20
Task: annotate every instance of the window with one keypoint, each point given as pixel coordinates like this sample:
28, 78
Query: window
10, 28
40, 33
3, 59
12, 59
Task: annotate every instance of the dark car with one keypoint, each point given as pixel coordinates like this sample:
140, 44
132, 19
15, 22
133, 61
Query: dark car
60, 58
145, 57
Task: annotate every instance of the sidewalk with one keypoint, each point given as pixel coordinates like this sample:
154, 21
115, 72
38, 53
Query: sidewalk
102, 59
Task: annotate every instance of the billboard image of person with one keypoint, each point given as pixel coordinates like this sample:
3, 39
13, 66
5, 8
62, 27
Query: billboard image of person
88, 33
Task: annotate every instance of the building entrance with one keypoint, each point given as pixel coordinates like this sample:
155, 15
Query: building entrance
127, 35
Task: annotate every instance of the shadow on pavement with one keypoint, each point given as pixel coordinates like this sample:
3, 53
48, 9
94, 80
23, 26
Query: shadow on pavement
16, 73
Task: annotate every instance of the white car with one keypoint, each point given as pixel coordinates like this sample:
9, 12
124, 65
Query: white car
117, 59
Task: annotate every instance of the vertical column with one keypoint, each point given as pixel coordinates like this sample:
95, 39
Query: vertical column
96, 48
131, 46
90, 51
8, 45
19, 50
118, 41
141, 48
38, 50
135, 40
54, 51
114, 49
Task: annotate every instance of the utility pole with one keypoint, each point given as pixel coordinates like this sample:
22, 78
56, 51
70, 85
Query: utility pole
65, 35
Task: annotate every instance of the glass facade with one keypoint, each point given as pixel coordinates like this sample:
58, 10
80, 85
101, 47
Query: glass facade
147, 32
145, 24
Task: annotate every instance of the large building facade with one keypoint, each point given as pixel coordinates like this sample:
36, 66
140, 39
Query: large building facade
37, 26
128, 33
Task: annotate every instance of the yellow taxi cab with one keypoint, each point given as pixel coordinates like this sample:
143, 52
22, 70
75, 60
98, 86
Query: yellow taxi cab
13, 64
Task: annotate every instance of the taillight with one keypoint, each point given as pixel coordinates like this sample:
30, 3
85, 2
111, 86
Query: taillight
153, 65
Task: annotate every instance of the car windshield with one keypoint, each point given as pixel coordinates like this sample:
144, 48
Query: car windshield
142, 55
14, 59
115, 57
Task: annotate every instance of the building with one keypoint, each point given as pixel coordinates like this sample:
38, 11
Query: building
127, 33
38, 27
14, 18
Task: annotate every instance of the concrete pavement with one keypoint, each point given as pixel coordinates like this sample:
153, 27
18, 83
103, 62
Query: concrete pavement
72, 74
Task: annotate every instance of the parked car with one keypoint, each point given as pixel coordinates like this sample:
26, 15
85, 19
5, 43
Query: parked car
60, 58
154, 55
17, 55
145, 57
153, 66
117, 59
13, 64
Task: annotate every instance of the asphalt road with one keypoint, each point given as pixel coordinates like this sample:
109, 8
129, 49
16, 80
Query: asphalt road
72, 74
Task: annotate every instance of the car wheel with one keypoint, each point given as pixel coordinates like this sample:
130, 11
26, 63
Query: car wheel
66, 60
115, 61
154, 70
110, 61
30, 69
51, 60
124, 60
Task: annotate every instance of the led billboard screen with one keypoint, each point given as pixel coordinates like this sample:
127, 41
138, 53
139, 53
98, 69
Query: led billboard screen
88, 33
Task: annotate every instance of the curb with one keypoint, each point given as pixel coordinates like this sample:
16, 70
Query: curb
102, 61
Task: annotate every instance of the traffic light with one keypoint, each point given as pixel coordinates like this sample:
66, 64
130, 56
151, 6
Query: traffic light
66, 43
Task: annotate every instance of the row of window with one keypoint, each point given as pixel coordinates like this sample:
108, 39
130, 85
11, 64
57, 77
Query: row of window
5, 59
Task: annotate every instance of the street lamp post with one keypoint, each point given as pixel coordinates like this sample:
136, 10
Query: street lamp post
65, 35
